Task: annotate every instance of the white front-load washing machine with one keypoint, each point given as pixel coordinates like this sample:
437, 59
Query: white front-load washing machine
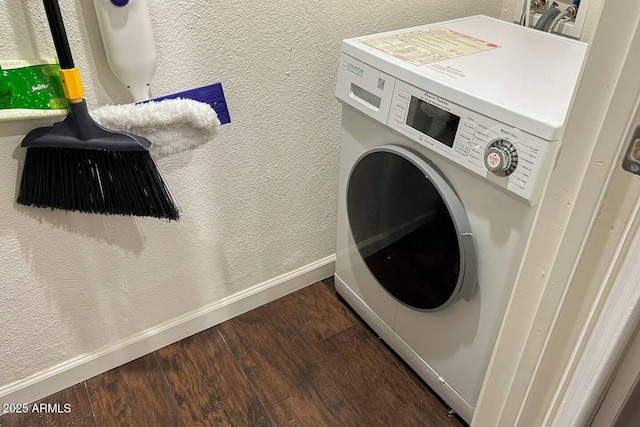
449, 135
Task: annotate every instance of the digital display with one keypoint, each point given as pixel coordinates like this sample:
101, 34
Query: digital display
432, 121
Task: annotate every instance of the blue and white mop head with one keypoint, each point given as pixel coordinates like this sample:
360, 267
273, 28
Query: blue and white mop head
172, 125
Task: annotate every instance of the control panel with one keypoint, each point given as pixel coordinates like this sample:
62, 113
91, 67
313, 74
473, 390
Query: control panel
510, 158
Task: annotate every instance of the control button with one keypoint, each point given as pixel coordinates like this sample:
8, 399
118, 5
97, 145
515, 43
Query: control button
495, 160
468, 126
403, 96
463, 143
501, 157
120, 3
466, 137
401, 106
398, 116
463, 149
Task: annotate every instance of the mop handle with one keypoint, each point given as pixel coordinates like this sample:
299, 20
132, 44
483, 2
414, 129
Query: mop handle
69, 74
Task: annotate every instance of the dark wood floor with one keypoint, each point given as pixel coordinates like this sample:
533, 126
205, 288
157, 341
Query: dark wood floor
303, 360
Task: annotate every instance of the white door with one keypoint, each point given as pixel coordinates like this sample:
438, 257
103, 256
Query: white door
566, 274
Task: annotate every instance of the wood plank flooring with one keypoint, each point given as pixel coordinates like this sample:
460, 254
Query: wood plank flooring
303, 360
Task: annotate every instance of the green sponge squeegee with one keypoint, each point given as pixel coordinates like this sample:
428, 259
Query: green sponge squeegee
31, 89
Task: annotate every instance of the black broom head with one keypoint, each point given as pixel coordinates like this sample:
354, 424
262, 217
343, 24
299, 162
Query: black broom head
95, 181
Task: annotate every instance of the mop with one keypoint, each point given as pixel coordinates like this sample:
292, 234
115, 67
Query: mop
174, 123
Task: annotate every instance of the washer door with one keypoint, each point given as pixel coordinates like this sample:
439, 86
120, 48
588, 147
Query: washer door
411, 229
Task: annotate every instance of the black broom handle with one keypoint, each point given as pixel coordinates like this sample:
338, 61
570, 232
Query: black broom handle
59, 34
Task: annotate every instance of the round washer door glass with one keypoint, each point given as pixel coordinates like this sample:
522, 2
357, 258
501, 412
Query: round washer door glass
408, 226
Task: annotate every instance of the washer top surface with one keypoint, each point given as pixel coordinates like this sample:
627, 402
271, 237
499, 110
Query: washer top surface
516, 75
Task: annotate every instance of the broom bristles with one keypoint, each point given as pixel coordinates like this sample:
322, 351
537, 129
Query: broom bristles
96, 181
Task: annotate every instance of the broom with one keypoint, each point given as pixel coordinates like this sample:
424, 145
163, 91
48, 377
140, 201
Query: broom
78, 165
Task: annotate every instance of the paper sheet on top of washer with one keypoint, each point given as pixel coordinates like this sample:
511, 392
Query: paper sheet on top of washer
424, 46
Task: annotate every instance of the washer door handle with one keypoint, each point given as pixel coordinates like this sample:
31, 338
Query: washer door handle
471, 267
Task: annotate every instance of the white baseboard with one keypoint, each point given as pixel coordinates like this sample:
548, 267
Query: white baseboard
83, 367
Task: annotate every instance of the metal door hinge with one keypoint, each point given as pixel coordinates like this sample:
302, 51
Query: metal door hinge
631, 160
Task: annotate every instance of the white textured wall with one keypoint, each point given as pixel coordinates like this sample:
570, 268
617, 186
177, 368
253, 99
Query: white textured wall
591, 20
259, 202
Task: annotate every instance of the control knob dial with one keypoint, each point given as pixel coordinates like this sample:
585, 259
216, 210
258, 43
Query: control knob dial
501, 157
